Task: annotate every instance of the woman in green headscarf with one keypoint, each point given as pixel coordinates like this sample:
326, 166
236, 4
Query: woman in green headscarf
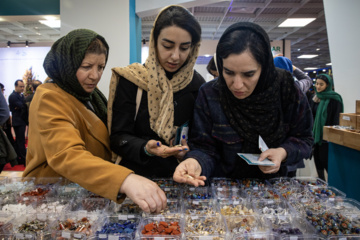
326, 106
68, 136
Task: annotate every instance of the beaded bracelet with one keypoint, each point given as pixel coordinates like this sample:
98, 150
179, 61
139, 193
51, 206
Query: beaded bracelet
147, 153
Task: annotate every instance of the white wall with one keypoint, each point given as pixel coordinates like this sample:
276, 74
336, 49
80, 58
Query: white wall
343, 28
15, 61
99, 16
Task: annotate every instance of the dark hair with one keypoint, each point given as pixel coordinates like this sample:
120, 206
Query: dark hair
2, 86
180, 17
35, 84
238, 41
257, 42
17, 82
211, 65
97, 47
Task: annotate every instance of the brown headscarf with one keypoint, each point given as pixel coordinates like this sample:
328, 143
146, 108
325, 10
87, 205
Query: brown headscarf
152, 78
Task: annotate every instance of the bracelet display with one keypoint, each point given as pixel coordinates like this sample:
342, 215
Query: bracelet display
147, 153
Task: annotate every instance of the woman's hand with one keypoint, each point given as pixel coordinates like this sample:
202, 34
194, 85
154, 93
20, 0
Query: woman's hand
144, 193
157, 148
180, 154
189, 172
276, 155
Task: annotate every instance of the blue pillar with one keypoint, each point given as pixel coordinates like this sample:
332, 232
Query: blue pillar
135, 34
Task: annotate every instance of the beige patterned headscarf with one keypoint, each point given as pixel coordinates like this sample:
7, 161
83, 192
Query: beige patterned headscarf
160, 89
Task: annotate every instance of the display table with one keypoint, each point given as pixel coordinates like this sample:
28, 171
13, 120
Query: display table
344, 160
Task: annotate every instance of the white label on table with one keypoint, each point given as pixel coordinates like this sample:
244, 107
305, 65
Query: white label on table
122, 217
347, 118
205, 237
66, 234
76, 235
159, 238
19, 235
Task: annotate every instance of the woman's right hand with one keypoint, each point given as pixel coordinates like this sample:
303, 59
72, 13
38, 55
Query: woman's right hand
189, 172
145, 193
157, 148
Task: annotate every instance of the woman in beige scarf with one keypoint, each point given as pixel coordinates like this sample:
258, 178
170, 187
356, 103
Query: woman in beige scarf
166, 85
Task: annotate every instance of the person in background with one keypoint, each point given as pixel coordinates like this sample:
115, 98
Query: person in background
251, 98
302, 80
17, 105
211, 68
7, 152
7, 125
326, 106
4, 108
143, 131
33, 87
68, 136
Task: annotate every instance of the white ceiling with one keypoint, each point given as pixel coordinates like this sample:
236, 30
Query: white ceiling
214, 19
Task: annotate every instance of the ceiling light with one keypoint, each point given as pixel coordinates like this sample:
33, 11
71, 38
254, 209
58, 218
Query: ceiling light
310, 68
318, 49
299, 49
324, 70
51, 23
328, 64
314, 71
296, 22
307, 56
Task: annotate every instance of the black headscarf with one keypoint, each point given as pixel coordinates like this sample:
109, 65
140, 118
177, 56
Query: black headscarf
261, 113
63, 61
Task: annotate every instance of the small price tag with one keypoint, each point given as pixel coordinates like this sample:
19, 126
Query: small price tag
256, 188
78, 236
102, 236
205, 238
220, 189
160, 238
194, 217
270, 201
122, 217
112, 237
65, 234
20, 235
293, 238
236, 202
166, 189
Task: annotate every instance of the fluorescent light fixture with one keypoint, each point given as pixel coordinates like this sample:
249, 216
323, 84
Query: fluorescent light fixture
296, 22
307, 56
51, 23
318, 49
310, 68
328, 64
